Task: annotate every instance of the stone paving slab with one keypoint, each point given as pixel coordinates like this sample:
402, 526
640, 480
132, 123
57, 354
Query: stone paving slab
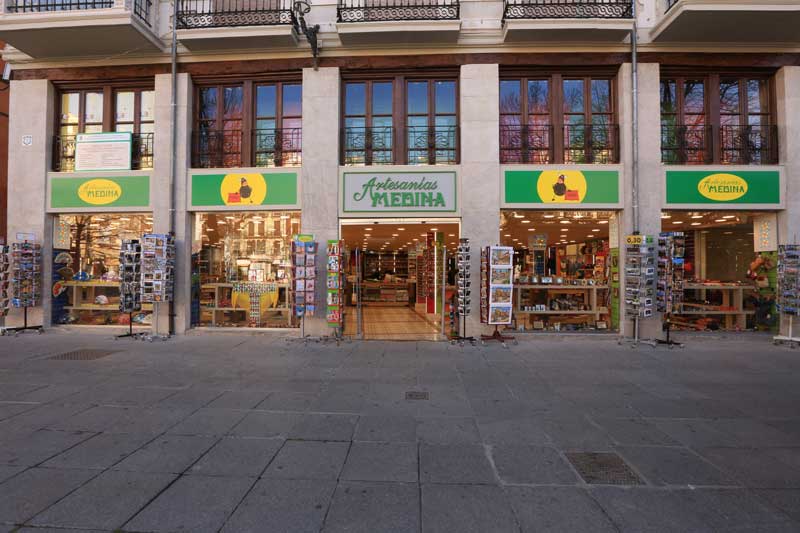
539, 465
455, 463
381, 461
38, 446
238, 457
167, 454
466, 509
99, 452
557, 510
309, 460
370, 507
34, 490
209, 422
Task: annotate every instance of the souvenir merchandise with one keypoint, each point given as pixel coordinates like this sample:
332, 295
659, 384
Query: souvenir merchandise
499, 284
789, 279
640, 276
5, 271
669, 293
130, 263
484, 285
335, 284
304, 274
158, 267
26, 271
255, 291
464, 284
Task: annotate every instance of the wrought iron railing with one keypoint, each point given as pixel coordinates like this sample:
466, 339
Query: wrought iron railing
386, 10
368, 146
568, 9
434, 145
749, 145
277, 147
526, 144
233, 13
591, 143
141, 8
686, 145
64, 152
217, 149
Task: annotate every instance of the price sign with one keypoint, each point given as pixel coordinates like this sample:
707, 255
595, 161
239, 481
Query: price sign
634, 239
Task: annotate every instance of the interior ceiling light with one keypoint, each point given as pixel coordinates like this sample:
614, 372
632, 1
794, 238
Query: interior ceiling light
401, 229
526, 221
531, 229
664, 215
697, 216
564, 222
367, 229
602, 221
720, 220
677, 221
564, 229
695, 224
516, 215
506, 235
549, 216
596, 229
729, 216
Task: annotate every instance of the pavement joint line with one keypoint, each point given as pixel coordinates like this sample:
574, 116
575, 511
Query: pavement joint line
336, 488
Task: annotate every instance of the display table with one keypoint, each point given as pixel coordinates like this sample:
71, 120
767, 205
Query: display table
83, 293
526, 296
216, 302
732, 307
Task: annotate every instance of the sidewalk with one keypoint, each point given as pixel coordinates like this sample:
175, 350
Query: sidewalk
241, 433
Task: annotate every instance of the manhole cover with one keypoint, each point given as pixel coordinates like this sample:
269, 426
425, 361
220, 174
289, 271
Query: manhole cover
603, 469
82, 355
416, 395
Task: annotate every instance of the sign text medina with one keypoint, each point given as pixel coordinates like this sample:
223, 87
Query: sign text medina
401, 193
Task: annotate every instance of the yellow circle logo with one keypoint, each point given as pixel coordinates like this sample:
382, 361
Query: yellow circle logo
722, 187
100, 192
243, 189
561, 186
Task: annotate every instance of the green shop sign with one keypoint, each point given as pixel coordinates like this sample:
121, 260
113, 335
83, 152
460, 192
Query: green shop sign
244, 189
723, 187
389, 192
562, 187
125, 191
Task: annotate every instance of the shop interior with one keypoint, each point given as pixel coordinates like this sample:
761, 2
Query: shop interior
85, 284
241, 269
727, 285
400, 284
566, 274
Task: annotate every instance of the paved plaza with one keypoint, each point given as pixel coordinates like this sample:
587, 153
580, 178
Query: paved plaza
255, 433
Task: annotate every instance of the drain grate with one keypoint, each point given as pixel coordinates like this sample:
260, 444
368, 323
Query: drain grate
417, 395
603, 469
82, 355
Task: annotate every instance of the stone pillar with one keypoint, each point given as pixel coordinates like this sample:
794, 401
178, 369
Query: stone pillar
320, 173
160, 193
480, 168
650, 173
787, 85
31, 115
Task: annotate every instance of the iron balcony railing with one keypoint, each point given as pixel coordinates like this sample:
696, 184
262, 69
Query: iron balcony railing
414, 145
64, 152
572, 143
591, 143
388, 10
141, 8
568, 9
734, 145
233, 13
526, 144
226, 149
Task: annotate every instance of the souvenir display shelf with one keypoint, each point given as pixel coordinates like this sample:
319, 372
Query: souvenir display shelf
731, 307
158, 267
378, 293
577, 304
25, 280
788, 288
217, 299
463, 293
130, 288
640, 276
335, 285
499, 277
5, 273
304, 276
669, 294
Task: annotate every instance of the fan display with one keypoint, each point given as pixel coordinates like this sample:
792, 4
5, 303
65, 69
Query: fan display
304, 274
640, 276
158, 267
130, 263
26, 273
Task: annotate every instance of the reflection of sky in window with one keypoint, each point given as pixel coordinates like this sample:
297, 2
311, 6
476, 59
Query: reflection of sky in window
509, 96
233, 102
445, 97
538, 96
355, 99
418, 97
694, 100
729, 96
208, 103
292, 100
265, 101
382, 98
601, 96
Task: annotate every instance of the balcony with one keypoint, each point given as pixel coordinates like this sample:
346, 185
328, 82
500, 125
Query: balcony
398, 21
722, 21
64, 152
417, 145
567, 20
235, 24
731, 145
78, 28
575, 144
265, 148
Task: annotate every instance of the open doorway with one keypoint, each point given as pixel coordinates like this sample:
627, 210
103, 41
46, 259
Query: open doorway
399, 276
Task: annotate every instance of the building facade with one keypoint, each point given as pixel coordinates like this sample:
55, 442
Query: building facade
518, 114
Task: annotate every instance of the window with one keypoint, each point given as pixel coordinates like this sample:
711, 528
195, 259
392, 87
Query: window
558, 119
717, 119
249, 124
101, 110
400, 121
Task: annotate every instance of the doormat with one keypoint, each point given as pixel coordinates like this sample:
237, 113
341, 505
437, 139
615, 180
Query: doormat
603, 468
83, 355
417, 395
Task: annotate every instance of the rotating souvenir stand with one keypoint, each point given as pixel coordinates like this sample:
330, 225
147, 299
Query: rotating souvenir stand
669, 282
334, 286
788, 289
498, 277
464, 293
5, 273
130, 293
158, 272
25, 281
304, 278
640, 280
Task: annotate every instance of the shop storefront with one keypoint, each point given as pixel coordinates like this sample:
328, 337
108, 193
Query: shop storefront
91, 216
401, 230
729, 221
242, 227
563, 225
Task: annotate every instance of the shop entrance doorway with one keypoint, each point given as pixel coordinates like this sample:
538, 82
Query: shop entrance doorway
399, 284
566, 269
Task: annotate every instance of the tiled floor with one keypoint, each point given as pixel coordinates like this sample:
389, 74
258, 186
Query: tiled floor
392, 323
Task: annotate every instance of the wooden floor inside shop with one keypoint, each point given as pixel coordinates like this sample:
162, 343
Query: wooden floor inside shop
392, 323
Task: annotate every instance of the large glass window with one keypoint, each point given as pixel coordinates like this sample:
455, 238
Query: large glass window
684, 125
242, 268
400, 121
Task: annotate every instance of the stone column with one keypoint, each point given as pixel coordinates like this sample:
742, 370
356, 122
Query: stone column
160, 193
480, 169
650, 175
787, 85
31, 117
320, 173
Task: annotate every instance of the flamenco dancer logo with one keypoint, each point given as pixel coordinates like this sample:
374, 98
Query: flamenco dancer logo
561, 186
243, 189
